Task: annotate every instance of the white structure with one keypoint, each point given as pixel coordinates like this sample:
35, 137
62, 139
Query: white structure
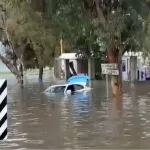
72, 58
68, 56
76, 64
76, 61
142, 70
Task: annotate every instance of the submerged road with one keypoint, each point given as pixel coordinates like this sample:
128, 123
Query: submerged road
36, 121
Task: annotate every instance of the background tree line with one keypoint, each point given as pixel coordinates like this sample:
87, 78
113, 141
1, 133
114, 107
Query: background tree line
92, 27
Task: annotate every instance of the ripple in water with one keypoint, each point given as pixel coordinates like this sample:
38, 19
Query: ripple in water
37, 121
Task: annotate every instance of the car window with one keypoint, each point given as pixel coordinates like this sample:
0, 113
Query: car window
71, 87
59, 89
51, 89
78, 87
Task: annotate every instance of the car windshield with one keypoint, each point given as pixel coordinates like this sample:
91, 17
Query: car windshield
58, 89
51, 89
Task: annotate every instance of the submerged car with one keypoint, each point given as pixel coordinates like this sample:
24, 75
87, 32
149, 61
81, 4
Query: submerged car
74, 84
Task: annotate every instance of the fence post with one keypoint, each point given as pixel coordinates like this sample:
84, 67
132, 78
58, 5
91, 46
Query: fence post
3, 109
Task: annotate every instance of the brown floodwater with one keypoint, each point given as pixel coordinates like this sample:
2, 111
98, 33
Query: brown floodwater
37, 121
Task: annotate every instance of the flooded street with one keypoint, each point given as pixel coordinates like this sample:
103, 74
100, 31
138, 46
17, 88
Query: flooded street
37, 121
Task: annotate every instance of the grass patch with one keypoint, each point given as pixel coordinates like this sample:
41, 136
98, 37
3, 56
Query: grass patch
1, 73
25, 72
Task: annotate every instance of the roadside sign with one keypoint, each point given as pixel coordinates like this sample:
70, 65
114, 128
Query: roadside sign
110, 72
110, 66
110, 69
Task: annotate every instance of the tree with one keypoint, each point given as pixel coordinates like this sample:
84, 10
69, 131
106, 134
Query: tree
9, 57
120, 26
27, 27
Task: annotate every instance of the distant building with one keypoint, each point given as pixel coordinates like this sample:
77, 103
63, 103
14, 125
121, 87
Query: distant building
142, 66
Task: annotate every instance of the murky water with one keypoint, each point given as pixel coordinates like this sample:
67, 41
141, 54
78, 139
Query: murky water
37, 121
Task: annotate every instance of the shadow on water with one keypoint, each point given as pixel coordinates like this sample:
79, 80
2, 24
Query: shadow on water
88, 120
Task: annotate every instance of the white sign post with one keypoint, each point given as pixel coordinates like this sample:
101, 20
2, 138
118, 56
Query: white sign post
109, 69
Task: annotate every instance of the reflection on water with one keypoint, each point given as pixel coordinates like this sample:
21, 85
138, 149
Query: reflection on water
87, 120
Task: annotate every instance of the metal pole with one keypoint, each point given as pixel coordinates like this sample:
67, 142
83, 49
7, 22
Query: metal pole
107, 85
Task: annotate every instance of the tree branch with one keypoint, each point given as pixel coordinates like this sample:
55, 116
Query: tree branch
100, 12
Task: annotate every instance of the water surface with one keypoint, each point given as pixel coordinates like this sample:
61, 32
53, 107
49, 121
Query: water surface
36, 121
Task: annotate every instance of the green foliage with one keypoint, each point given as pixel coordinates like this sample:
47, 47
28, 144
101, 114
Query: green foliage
122, 24
26, 26
30, 58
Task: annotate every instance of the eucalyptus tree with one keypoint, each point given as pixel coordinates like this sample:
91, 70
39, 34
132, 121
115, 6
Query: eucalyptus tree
26, 27
121, 27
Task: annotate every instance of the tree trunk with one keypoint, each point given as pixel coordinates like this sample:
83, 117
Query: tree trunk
116, 81
91, 68
67, 70
9, 58
40, 73
21, 74
18, 72
133, 70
